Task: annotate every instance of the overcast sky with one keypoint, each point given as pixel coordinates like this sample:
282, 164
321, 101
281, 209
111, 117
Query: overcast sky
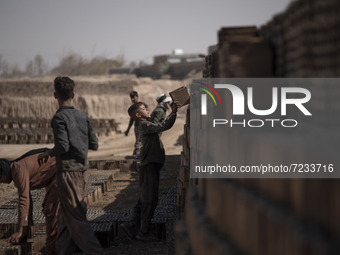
137, 29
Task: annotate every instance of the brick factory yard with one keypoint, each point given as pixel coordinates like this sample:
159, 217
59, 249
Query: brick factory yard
113, 144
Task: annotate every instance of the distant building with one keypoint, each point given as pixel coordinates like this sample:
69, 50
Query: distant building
176, 65
120, 70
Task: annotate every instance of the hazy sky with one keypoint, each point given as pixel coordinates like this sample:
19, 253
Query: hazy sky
138, 29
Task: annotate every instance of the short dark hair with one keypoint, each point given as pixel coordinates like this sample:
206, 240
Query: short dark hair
64, 86
134, 108
133, 94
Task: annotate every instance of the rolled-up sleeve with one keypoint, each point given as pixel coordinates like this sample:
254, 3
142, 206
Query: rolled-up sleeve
61, 139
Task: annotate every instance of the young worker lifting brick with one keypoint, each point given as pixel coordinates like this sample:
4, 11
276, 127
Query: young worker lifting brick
152, 160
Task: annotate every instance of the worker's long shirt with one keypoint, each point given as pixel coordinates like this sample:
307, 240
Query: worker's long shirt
28, 175
152, 150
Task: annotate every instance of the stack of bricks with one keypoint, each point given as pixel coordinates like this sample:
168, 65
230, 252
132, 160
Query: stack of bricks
184, 171
302, 41
97, 185
184, 183
240, 52
269, 216
39, 131
22, 249
283, 216
123, 165
105, 222
210, 70
105, 127
255, 216
306, 39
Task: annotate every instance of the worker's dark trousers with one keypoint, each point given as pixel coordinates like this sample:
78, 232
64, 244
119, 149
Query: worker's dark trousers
73, 227
148, 195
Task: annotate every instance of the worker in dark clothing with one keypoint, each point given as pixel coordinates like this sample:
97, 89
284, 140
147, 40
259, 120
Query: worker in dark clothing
159, 113
73, 137
28, 175
136, 152
152, 160
137, 146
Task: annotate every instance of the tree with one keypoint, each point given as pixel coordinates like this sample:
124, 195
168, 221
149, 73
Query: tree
4, 67
69, 65
36, 67
40, 66
29, 68
120, 60
75, 64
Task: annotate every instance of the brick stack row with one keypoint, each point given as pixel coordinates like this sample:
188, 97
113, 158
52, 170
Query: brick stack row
256, 216
210, 69
97, 186
184, 172
240, 52
306, 39
39, 131
184, 184
270, 216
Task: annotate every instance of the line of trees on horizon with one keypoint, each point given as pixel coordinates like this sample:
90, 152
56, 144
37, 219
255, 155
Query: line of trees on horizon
70, 64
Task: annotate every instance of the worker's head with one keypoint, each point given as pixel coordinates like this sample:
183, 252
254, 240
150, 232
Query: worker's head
64, 87
134, 97
5, 171
164, 100
138, 111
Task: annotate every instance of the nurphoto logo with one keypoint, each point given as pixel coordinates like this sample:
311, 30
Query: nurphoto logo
238, 104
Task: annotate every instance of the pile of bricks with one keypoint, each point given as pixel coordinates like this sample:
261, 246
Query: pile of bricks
121, 164
240, 52
22, 249
105, 223
302, 41
39, 131
97, 186
255, 216
184, 171
9, 215
268, 216
250, 217
183, 245
306, 39
210, 69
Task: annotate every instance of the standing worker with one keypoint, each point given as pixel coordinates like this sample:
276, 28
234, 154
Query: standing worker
136, 152
159, 113
152, 160
73, 137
